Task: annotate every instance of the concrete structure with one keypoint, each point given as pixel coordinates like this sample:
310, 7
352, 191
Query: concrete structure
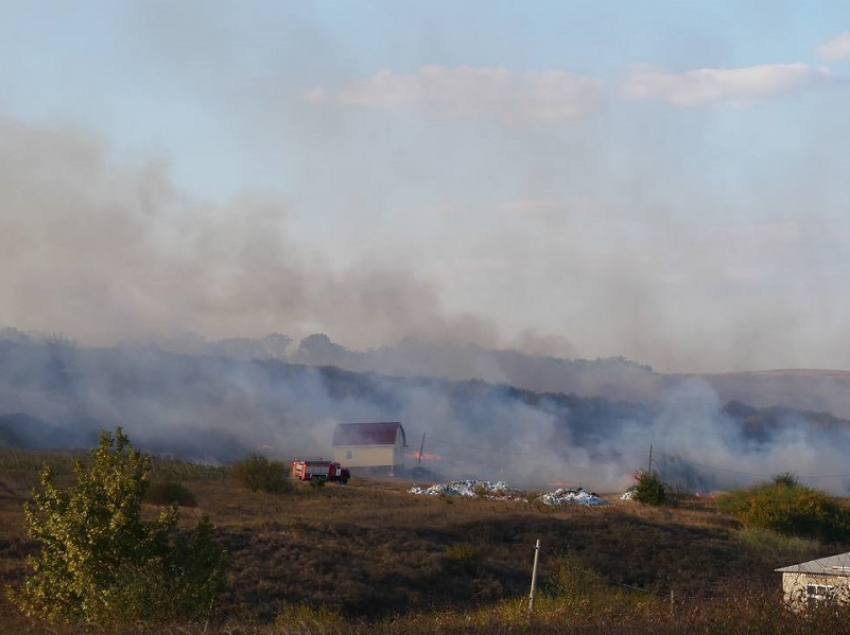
816, 581
375, 445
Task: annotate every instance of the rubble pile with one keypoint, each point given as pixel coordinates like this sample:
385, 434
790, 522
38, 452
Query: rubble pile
470, 488
567, 496
503, 491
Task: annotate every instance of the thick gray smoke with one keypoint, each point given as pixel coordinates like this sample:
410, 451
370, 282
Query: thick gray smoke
102, 251
216, 408
105, 248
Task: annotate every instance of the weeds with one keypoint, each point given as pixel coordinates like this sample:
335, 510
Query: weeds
773, 544
464, 556
170, 469
305, 618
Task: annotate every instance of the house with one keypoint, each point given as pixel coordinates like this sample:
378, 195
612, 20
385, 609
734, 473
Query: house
815, 581
377, 445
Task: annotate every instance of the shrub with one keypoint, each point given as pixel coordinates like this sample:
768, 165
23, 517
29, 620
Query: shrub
99, 562
791, 509
788, 479
481, 490
259, 474
170, 493
650, 489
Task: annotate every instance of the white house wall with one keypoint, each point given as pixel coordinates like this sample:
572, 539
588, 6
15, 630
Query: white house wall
369, 455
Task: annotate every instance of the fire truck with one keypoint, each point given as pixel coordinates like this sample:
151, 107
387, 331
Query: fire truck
320, 469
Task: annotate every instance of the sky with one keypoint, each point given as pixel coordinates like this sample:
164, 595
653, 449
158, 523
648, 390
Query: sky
663, 181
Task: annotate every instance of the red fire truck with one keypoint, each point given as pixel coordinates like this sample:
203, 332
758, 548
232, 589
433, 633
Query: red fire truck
320, 469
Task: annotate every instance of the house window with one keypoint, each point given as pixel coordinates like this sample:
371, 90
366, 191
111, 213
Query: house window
348, 455
819, 591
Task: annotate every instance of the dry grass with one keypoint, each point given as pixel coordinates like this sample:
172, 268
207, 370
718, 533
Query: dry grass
381, 560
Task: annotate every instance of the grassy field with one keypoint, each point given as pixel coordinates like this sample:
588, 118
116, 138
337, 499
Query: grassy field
370, 557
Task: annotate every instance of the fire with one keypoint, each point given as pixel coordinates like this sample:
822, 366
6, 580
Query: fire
427, 456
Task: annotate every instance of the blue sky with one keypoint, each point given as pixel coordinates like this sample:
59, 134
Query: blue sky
660, 180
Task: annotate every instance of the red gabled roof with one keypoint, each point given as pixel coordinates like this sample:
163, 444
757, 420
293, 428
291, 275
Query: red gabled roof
381, 433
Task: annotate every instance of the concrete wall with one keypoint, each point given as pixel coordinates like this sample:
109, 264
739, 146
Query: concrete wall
794, 588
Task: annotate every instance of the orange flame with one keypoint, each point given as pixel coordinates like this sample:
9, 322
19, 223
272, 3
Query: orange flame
427, 457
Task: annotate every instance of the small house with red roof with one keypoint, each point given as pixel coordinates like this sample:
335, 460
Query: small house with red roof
380, 444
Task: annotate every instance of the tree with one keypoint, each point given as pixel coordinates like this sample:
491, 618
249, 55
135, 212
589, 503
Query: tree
650, 489
99, 561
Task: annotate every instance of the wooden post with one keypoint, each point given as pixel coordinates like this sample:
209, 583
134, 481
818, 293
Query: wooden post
672, 604
533, 578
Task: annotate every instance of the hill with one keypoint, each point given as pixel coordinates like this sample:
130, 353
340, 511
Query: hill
801, 389
614, 378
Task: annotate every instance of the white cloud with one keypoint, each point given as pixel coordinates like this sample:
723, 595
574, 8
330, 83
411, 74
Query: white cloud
718, 86
315, 95
464, 92
838, 48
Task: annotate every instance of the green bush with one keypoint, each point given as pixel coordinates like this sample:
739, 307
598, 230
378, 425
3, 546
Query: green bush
650, 489
99, 562
170, 493
259, 474
791, 509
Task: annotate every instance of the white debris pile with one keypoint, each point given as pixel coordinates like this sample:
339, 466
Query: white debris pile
501, 490
575, 496
497, 489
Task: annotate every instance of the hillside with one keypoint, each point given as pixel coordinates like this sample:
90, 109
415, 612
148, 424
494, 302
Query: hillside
372, 551
215, 408
615, 378
800, 389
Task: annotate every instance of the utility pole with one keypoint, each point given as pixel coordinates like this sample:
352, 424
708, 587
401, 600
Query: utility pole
533, 578
649, 471
421, 449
